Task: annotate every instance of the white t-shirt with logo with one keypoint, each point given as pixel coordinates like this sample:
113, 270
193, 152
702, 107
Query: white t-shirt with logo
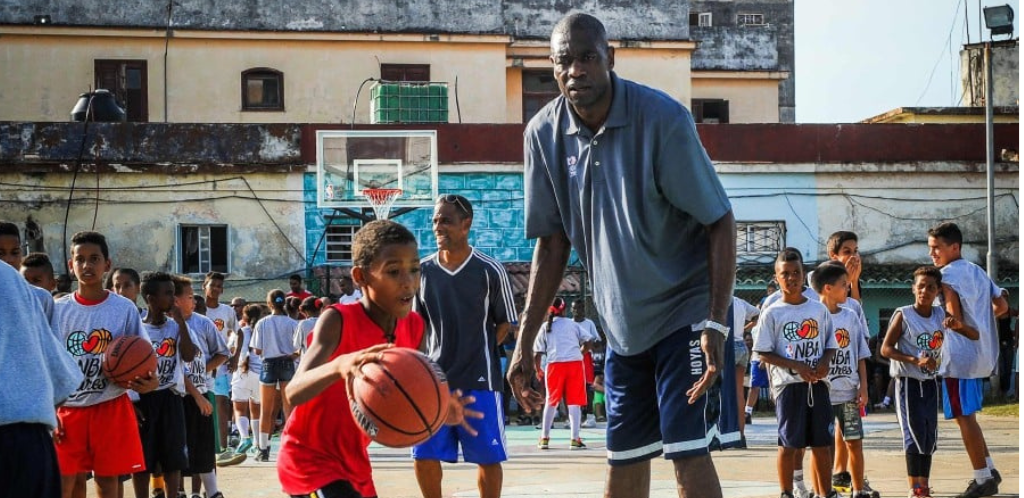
801, 332
852, 346
169, 367
226, 322
209, 343
921, 336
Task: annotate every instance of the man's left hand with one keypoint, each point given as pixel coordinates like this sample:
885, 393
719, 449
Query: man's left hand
712, 342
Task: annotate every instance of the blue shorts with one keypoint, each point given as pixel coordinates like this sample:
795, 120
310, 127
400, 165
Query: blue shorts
646, 402
917, 409
805, 416
280, 369
486, 448
961, 397
222, 385
758, 375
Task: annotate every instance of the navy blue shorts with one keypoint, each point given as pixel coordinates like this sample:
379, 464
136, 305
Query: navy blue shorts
917, 409
805, 416
486, 448
648, 410
28, 462
280, 369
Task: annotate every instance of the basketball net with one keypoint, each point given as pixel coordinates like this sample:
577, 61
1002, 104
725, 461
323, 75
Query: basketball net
381, 200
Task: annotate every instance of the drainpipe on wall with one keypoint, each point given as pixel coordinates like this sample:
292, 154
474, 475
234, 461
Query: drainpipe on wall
167, 41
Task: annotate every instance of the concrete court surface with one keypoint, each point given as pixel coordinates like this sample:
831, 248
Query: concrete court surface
559, 472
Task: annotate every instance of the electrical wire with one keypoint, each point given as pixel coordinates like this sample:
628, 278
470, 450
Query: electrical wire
356, 101
272, 220
949, 37
74, 178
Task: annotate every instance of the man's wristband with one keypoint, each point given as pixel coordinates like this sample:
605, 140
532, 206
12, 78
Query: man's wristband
713, 325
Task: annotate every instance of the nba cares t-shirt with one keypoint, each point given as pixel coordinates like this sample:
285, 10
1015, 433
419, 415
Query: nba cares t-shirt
168, 359
226, 323
800, 332
86, 330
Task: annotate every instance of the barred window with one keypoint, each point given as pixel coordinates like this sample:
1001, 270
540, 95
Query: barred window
759, 241
339, 243
750, 19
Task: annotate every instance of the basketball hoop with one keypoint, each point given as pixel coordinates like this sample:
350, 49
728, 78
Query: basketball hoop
381, 200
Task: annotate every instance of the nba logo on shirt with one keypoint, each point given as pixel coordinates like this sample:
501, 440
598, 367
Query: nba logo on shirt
571, 160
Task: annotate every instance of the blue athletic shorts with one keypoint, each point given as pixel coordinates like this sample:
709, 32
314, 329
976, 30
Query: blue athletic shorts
487, 447
758, 375
647, 406
917, 409
804, 412
222, 385
961, 397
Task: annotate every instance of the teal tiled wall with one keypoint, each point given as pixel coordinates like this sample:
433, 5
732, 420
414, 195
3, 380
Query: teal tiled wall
497, 216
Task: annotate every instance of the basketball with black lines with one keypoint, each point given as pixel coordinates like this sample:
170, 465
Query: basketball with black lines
400, 400
128, 357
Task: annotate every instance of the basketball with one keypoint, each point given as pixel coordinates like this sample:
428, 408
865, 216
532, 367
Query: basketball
128, 357
400, 401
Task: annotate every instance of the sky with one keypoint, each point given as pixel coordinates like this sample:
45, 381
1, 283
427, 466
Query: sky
857, 59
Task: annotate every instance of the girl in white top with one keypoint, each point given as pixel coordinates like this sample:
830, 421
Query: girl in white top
563, 342
272, 341
310, 307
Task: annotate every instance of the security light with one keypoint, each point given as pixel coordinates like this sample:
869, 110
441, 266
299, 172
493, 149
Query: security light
999, 20
41, 20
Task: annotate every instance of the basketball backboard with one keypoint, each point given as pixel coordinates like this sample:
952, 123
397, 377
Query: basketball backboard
348, 161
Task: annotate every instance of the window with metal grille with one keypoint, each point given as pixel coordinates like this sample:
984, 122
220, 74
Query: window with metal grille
339, 242
202, 248
750, 19
539, 88
128, 81
759, 241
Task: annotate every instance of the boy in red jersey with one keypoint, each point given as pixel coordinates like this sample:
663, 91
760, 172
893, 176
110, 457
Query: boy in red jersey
323, 454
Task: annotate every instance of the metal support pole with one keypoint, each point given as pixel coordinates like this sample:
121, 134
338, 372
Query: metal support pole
989, 164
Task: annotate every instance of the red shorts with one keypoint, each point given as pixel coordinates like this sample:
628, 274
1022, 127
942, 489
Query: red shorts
588, 368
566, 378
101, 438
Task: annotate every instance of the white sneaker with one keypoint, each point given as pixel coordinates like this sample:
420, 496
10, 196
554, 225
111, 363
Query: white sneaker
801, 492
589, 423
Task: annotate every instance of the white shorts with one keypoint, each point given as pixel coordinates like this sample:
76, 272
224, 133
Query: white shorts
245, 387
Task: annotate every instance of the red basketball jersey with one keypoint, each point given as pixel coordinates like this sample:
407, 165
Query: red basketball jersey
322, 442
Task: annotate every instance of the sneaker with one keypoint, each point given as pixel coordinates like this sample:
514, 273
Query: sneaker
832, 494
263, 455
881, 406
233, 440
976, 490
748, 419
577, 444
543, 443
565, 425
862, 494
799, 492
786, 494
231, 459
218, 495
743, 442
244, 445
870, 493
157, 493
842, 481
601, 419
997, 477
920, 492
589, 423
197, 495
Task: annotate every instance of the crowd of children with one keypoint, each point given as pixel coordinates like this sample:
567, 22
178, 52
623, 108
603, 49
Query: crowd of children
812, 341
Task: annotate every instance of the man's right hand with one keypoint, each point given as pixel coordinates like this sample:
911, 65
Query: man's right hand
520, 377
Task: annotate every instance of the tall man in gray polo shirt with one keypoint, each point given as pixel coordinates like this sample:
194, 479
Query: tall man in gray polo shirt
616, 170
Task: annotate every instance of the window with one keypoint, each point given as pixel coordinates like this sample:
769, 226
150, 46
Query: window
202, 248
539, 88
262, 90
710, 111
750, 19
128, 81
339, 242
759, 241
405, 72
700, 19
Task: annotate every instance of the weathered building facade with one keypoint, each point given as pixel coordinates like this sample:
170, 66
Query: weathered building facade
240, 198
294, 62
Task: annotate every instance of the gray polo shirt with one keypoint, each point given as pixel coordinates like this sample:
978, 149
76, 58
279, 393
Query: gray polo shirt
633, 198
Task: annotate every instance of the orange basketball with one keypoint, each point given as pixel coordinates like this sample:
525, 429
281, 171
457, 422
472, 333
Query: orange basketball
402, 400
128, 357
